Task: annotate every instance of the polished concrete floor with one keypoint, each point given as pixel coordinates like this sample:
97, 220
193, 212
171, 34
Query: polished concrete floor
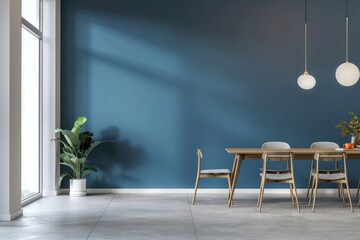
171, 216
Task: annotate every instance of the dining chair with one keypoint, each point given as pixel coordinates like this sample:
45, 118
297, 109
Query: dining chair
278, 145
279, 177
339, 178
210, 173
324, 145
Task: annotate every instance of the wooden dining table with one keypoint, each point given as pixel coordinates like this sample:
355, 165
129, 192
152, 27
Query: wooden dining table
256, 154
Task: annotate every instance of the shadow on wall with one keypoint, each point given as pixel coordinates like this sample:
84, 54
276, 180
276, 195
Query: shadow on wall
116, 160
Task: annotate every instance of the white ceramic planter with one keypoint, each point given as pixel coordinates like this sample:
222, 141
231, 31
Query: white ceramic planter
77, 187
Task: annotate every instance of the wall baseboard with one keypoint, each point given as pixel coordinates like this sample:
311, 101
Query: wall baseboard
11, 216
201, 190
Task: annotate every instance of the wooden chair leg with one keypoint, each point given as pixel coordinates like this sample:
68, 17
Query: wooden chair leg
312, 192
315, 193
349, 195
309, 185
357, 192
339, 192
296, 198
343, 194
229, 183
261, 196
291, 194
196, 187
258, 202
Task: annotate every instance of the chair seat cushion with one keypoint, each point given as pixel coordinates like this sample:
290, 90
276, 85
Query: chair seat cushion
333, 176
215, 171
282, 176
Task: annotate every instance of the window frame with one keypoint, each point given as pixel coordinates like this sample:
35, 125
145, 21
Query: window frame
38, 33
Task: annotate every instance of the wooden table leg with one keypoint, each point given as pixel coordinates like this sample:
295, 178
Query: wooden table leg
235, 174
232, 175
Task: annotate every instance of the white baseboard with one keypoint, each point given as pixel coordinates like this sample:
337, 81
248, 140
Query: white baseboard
200, 190
11, 216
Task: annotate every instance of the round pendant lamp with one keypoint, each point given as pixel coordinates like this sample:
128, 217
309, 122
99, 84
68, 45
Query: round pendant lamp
347, 74
306, 81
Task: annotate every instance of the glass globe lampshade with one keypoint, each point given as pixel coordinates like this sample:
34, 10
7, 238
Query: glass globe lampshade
347, 74
306, 81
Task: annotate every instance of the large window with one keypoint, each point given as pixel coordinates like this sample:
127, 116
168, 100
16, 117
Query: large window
31, 110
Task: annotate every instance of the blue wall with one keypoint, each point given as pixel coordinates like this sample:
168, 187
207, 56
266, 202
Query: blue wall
162, 78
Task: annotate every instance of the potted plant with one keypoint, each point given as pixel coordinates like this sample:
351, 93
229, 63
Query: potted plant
352, 127
76, 148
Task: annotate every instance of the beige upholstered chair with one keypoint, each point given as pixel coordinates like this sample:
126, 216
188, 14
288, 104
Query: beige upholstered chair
210, 173
280, 177
339, 178
324, 145
278, 145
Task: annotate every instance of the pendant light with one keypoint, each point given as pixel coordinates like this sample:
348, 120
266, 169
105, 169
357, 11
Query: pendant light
306, 81
347, 74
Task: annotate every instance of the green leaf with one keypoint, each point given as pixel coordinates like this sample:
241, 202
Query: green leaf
57, 130
75, 160
66, 160
70, 154
78, 124
64, 174
91, 173
65, 157
81, 160
71, 166
92, 146
89, 168
71, 138
66, 146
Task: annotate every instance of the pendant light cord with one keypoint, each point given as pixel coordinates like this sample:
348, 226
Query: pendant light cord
347, 31
305, 50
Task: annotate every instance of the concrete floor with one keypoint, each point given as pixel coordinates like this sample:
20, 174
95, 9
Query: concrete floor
171, 216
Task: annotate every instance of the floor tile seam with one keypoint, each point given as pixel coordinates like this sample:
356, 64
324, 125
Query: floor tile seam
101, 216
192, 217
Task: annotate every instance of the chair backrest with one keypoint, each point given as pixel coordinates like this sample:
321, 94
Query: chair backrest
280, 145
325, 145
200, 156
277, 156
330, 156
288, 157
199, 153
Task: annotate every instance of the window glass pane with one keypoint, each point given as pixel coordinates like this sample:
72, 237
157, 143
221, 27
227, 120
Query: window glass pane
30, 115
30, 10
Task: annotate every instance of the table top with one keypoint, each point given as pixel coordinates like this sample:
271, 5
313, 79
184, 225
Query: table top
306, 153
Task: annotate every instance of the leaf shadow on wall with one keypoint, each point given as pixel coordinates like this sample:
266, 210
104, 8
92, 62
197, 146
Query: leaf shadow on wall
114, 160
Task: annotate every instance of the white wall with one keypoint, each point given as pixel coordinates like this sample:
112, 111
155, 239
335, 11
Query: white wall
10, 99
51, 94
10, 109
